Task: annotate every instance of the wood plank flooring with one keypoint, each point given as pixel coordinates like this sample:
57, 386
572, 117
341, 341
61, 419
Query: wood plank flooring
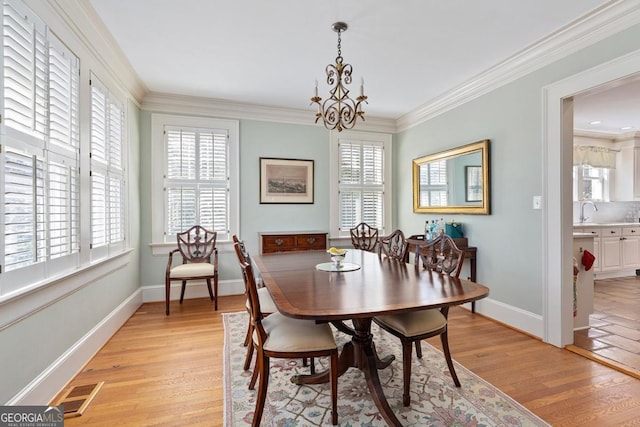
614, 333
167, 371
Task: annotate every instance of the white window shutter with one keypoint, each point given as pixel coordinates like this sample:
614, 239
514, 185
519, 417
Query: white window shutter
361, 184
107, 169
25, 73
196, 180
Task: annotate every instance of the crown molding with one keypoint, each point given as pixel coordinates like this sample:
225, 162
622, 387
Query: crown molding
602, 22
82, 20
612, 136
211, 107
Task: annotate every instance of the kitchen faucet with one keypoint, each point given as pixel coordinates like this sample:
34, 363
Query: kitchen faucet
582, 205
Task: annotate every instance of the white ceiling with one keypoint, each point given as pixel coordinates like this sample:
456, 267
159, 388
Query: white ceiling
271, 52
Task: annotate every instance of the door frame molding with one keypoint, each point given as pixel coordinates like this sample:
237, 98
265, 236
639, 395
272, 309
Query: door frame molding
557, 215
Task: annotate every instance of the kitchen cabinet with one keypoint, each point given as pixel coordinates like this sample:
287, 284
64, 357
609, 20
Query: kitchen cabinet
630, 247
596, 245
616, 248
611, 249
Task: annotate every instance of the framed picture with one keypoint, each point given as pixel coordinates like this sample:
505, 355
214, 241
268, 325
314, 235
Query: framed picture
286, 180
473, 183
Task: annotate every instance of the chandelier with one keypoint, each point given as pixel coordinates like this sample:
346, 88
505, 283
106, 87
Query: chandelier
339, 111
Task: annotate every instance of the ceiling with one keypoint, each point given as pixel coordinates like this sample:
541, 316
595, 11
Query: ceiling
271, 52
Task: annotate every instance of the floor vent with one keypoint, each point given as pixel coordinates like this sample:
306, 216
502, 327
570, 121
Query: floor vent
78, 398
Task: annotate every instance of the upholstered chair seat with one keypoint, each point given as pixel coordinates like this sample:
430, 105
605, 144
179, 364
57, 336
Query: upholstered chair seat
191, 270
285, 334
414, 323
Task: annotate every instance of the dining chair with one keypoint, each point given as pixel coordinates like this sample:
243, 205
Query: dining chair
440, 256
364, 237
279, 336
394, 246
267, 306
197, 246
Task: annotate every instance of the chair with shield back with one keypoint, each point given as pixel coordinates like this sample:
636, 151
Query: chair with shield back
440, 256
364, 237
394, 246
197, 246
279, 336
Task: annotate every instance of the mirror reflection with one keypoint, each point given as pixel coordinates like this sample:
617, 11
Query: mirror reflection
453, 181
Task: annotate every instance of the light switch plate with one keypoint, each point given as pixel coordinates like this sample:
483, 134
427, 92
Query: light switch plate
537, 202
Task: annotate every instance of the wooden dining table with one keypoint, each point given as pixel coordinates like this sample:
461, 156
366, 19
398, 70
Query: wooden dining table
377, 286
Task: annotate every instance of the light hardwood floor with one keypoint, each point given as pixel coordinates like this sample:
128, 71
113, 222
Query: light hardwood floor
167, 371
614, 333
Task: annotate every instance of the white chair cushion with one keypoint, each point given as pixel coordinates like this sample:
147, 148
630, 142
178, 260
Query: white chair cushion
267, 306
414, 323
285, 334
195, 269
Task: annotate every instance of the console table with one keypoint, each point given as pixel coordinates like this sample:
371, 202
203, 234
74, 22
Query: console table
470, 253
284, 241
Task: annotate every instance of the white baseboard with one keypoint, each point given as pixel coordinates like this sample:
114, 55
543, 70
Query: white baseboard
195, 289
48, 384
517, 318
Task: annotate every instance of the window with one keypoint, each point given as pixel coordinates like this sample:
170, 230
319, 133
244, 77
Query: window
195, 170
107, 171
39, 156
360, 181
196, 179
591, 183
433, 184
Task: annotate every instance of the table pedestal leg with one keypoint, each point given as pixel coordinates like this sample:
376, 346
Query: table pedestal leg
360, 353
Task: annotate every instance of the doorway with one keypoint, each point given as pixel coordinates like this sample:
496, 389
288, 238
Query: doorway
557, 220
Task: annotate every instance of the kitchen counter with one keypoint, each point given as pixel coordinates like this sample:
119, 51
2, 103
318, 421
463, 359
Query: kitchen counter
606, 224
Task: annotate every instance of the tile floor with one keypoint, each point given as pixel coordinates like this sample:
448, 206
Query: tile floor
614, 333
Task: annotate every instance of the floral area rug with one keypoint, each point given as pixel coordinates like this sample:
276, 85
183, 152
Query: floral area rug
435, 401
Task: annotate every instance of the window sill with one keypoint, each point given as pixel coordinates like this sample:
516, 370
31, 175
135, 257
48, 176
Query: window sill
23, 303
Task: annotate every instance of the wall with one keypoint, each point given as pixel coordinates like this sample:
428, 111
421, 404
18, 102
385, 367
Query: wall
257, 139
510, 239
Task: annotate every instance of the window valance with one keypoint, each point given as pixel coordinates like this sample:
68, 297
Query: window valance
597, 157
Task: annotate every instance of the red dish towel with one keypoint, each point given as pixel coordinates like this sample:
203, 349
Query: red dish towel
587, 260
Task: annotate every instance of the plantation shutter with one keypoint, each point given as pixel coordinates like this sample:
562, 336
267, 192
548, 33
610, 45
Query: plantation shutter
433, 184
361, 184
197, 176
25, 70
24, 214
107, 171
40, 154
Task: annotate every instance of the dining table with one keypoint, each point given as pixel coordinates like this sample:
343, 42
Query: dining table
308, 285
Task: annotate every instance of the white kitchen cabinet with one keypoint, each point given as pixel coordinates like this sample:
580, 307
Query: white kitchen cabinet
596, 245
611, 249
630, 247
616, 248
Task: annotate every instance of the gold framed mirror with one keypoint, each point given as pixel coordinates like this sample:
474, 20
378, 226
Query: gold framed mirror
453, 181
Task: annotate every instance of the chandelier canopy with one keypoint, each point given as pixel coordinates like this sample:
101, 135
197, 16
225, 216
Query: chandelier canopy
339, 111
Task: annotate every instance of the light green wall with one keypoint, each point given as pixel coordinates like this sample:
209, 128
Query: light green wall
509, 240
257, 139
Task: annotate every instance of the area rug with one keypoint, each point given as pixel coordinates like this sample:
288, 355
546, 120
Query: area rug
435, 401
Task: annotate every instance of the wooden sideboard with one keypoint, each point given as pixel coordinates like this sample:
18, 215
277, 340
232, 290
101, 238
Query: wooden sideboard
470, 253
282, 241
